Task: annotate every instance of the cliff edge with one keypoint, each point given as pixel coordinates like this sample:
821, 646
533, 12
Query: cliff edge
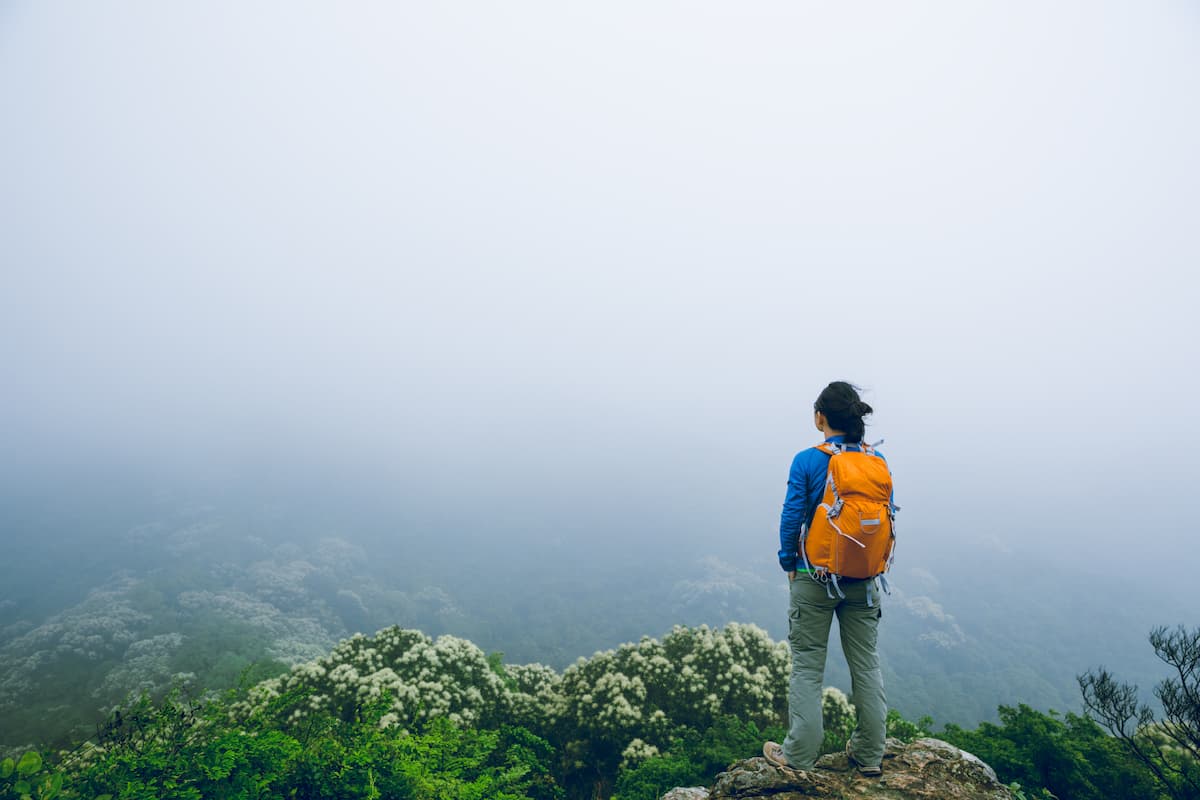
925, 769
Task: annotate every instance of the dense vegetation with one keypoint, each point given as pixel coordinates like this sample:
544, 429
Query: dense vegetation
124, 593
400, 715
197, 599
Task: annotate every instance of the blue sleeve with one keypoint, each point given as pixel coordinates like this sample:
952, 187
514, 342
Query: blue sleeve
795, 506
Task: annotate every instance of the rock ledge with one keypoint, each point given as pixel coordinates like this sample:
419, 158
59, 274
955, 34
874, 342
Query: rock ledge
925, 769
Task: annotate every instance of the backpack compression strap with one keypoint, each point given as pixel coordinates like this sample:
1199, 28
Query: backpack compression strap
833, 448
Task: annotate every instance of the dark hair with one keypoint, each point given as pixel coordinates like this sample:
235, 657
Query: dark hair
844, 409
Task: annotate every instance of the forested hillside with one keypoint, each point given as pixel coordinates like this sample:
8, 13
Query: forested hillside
110, 603
401, 715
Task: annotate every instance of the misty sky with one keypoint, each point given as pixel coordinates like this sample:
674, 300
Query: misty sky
566, 262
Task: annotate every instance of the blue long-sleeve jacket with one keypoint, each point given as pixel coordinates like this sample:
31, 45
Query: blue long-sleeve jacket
806, 487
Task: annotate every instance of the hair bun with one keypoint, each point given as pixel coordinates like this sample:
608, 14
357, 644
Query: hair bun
862, 409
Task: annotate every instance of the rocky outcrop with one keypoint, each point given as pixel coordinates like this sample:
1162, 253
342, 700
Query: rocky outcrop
925, 769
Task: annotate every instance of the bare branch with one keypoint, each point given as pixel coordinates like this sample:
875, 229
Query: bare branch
1169, 748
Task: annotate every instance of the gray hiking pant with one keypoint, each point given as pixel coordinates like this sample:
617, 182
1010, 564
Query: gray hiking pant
810, 614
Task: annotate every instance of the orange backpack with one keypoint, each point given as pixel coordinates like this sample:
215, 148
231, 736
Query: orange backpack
852, 534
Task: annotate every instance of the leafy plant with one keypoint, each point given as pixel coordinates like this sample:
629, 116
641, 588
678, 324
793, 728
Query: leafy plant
1070, 756
1018, 793
905, 730
693, 758
25, 778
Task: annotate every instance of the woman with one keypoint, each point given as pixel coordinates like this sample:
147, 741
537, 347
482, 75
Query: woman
818, 593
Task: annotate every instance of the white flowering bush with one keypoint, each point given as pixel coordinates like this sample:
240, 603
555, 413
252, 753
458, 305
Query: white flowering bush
617, 705
689, 678
97, 630
708, 691
533, 696
424, 679
145, 667
636, 752
737, 671
621, 705
289, 638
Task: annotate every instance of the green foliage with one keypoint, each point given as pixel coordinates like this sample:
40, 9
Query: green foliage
906, 731
654, 777
1018, 793
694, 758
182, 749
218, 650
496, 662
452, 763
30, 763
25, 779
1072, 757
402, 716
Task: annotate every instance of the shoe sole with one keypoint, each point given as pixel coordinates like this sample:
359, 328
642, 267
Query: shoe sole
771, 759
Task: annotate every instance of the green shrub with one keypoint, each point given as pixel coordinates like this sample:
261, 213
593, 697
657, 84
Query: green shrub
1072, 757
26, 778
182, 749
694, 758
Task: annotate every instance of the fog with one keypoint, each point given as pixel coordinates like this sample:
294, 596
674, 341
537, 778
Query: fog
551, 257
555, 286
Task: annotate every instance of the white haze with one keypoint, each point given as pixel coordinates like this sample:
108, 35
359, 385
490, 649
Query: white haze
577, 272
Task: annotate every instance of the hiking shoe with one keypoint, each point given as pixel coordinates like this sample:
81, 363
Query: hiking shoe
773, 753
863, 769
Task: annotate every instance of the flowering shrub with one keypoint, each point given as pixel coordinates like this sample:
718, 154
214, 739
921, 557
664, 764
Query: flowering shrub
400, 714
426, 679
646, 691
534, 695
619, 706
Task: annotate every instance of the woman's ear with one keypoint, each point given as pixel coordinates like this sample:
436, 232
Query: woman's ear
819, 421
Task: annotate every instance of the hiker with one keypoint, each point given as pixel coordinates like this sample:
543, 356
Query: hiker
836, 541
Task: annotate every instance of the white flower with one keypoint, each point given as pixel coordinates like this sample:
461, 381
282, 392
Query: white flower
636, 752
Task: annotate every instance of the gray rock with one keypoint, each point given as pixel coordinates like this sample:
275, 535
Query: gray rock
926, 769
689, 793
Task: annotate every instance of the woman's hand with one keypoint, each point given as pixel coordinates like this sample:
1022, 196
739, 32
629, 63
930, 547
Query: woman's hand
791, 576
